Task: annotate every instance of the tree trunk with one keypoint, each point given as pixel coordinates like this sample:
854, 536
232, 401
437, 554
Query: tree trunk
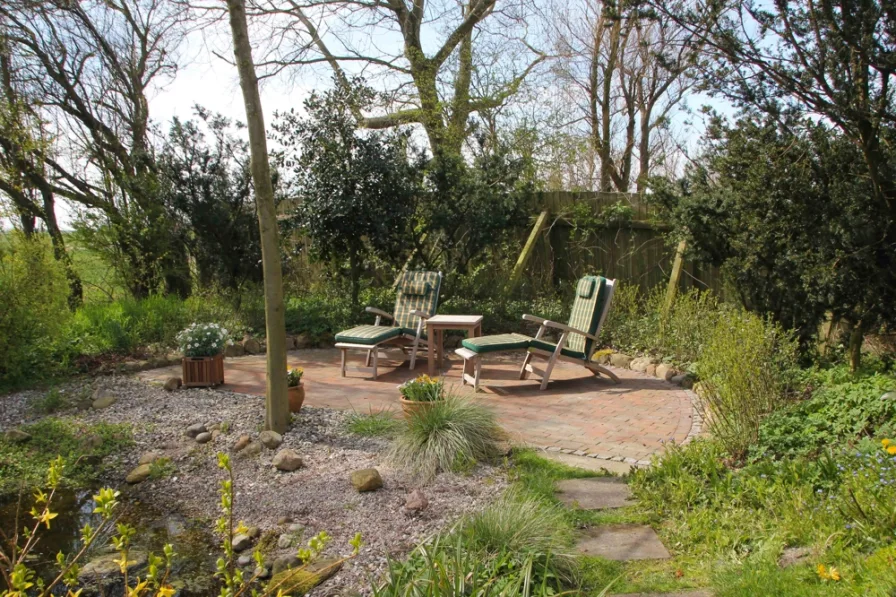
856, 339
75, 287
276, 402
355, 277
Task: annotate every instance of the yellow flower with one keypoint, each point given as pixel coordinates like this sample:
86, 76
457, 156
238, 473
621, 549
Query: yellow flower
45, 517
834, 574
885, 443
891, 450
166, 591
822, 572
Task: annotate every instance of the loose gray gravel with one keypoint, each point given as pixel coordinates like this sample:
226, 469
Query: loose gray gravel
317, 497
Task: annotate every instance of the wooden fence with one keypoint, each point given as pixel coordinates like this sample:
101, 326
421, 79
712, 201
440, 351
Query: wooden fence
636, 250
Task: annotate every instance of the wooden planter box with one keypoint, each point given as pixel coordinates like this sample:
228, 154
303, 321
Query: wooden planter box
203, 371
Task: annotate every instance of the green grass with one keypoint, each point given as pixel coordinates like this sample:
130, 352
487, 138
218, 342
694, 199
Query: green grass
50, 402
161, 468
82, 446
450, 435
381, 423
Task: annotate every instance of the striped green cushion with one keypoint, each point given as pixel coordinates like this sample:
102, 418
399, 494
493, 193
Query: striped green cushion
497, 343
551, 347
590, 298
413, 332
368, 334
417, 291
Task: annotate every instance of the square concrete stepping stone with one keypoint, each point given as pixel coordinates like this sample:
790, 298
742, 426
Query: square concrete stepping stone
596, 493
589, 464
622, 542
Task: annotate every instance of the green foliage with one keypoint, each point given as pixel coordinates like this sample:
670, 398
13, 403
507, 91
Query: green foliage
82, 447
786, 208
445, 568
50, 402
515, 546
206, 185
839, 408
202, 340
446, 436
471, 207
636, 324
356, 192
33, 309
161, 468
744, 369
373, 424
423, 389
294, 377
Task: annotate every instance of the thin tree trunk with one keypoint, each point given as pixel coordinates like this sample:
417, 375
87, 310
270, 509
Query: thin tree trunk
75, 287
856, 339
276, 403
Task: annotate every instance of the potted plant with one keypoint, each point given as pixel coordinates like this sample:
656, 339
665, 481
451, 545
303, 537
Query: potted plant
420, 393
202, 345
295, 389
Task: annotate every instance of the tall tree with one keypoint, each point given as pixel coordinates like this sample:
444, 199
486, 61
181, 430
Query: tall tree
624, 72
276, 403
835, 62
430, 72
22, 172
85, 69
356, 191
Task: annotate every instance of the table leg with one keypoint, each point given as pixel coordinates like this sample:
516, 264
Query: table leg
439, 344
430, 347
477, 331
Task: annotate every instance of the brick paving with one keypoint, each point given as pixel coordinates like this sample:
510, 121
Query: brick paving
578, 413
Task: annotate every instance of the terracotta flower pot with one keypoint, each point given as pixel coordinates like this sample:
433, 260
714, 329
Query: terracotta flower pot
412, 407
203, 371
296, 397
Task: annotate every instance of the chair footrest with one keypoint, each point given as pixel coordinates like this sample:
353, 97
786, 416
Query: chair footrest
466, 353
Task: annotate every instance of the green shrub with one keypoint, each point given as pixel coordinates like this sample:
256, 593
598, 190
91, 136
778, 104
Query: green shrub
447, 436
743, 368
33, 310
635, 322
840, 408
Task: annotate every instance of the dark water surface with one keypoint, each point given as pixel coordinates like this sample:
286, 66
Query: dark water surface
193, 542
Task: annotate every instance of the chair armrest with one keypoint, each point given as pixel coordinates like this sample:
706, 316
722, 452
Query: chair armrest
421, 314
568, 330
379, 312
539, 320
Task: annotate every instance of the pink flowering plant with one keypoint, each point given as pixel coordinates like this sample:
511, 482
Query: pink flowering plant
203, 340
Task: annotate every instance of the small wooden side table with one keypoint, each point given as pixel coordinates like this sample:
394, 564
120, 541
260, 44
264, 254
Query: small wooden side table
435, 333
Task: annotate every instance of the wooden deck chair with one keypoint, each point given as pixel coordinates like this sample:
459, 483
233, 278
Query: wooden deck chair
416, 300
577, 342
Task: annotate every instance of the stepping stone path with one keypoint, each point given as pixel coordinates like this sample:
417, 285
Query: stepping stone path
596, 493
622, 542
589, 464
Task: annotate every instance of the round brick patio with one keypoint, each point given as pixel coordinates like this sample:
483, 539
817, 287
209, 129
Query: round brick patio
578, 413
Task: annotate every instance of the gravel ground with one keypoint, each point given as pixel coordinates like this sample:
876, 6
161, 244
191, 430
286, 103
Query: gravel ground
318, 496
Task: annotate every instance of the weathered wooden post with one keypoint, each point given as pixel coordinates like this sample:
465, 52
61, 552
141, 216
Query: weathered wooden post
527, 251
672, 289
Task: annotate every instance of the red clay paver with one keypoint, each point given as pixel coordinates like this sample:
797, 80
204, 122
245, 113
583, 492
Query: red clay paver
577, 412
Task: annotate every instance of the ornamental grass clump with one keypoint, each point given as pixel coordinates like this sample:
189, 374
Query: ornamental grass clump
203, 340
526, 526
450, 435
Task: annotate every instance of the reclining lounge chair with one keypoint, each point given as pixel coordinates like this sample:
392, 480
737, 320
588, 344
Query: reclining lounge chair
416, 301
577, 342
